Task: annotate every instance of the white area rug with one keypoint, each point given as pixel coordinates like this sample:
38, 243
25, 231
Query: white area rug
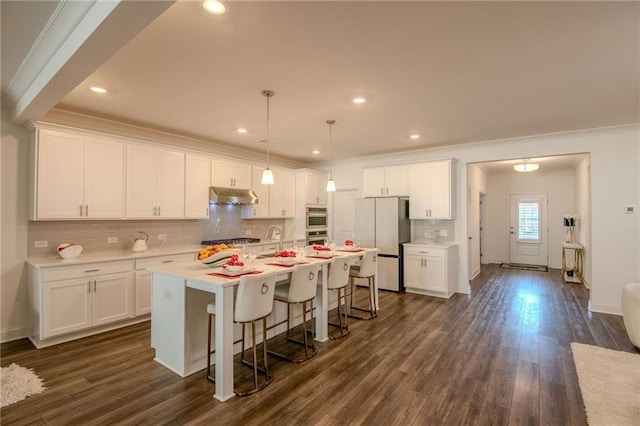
17, 383
610, 385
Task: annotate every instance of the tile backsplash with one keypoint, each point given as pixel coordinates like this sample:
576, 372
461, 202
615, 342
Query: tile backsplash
423, 230
224, 221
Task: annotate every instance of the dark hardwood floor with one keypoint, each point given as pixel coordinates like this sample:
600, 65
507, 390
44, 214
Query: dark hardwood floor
500, 355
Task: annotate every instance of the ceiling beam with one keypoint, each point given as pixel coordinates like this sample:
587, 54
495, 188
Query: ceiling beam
79, 37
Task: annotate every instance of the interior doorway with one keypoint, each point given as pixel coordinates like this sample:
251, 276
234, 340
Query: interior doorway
528, 231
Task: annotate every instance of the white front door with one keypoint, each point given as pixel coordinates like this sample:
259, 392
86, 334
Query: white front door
343, 215
528, 229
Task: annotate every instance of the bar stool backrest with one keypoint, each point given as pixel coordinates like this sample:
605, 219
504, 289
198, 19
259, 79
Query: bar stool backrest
304, 281
255, 297
338, 273
368, 264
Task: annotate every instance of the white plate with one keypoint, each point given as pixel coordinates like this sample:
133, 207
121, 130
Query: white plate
233, 274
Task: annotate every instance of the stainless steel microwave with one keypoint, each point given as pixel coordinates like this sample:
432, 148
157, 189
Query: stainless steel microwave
317, 217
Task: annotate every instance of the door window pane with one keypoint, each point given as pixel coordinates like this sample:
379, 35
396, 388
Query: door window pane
529, 221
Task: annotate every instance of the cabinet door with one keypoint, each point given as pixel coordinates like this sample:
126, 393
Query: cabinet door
66, 306
60, 169
282, 194
435, 274
321, 189
374, 185
260, 209
170, 174
196, 192
396, 180
221, 173
141, 182
414, 271
103, 178
418, 191
143, 292
112, 298
241, 175
440, 190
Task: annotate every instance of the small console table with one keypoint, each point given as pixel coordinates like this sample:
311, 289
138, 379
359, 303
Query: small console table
577, 250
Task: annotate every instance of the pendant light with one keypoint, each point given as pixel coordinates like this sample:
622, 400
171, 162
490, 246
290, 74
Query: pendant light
331, 184
267, 174
526, 166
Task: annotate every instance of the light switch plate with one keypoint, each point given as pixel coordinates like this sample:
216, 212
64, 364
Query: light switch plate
629, 209
112, 240
162, 236
41, 244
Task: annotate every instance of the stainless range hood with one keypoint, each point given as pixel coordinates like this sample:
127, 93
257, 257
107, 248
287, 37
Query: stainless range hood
218, 195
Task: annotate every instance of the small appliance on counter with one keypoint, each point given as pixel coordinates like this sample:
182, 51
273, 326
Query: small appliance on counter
140, 244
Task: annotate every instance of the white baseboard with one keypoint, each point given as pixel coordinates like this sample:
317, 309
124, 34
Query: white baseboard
13, 334
605, 309
474, 274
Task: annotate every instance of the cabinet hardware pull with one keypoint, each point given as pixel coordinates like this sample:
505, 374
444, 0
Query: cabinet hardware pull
89, 287
425, 252
381, 191
95, 289
86, 210
154, 210
158, 210
80, 210
167, 261
92, 270
387, 191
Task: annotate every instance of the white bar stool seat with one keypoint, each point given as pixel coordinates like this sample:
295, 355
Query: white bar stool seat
366, 270
338, 280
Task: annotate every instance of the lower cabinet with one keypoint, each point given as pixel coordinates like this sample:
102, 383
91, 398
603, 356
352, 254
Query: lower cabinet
430, 270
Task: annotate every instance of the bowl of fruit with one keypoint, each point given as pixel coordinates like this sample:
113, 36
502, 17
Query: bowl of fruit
69, 250
217, 254
287, 257
233, 264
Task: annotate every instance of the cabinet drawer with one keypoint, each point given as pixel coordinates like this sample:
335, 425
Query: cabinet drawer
158, 260
85, 270
425, 251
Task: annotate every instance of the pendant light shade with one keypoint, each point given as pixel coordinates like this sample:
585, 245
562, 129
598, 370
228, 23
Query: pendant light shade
331, 184
267, 174
526, 166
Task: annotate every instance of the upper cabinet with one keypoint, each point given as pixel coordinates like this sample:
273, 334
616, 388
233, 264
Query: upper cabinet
229, 174
274, 201
196, 187
431, 190
155, 183
385, 181
76, 176
311, 186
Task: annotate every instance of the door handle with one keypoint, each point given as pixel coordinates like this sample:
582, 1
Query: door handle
511, 232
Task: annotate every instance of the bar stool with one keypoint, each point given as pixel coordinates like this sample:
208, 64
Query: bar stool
366, 270
254, 302
301, 289
338, 280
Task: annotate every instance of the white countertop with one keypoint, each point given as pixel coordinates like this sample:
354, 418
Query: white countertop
436, 244
49, 261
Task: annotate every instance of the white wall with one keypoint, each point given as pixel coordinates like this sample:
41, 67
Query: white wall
14, 318
560, 189
615, 182
477, 183
583, 209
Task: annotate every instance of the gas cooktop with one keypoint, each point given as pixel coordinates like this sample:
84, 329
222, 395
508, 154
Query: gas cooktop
230, 241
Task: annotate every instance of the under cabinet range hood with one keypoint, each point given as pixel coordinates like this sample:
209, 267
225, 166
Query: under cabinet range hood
219, 195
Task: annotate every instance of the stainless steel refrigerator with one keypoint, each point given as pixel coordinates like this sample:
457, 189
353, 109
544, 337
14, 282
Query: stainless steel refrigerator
384, 223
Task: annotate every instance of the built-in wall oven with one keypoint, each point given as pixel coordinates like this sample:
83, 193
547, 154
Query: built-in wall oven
317, 217
318, 236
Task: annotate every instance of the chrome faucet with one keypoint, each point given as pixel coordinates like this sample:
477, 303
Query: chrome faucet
274, 229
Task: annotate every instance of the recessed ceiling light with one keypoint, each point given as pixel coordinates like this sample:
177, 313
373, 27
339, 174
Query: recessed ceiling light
213, 6
315, 152
241, 130
415, 136
359, 100
97, 89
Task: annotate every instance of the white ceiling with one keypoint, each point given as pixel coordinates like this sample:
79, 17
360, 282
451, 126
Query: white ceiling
453, 72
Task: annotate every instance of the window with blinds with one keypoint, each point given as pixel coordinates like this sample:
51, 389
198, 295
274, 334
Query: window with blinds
529, 221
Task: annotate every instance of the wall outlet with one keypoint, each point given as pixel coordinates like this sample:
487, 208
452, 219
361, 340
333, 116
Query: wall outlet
162, 236
443, 233
112, 240
247, 232
629, 209
41, 244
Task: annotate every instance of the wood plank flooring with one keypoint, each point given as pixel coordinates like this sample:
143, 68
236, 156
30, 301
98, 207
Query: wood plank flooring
500, 355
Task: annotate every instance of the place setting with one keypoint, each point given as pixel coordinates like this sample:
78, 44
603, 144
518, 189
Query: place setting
234, 268
351, 247
287, 259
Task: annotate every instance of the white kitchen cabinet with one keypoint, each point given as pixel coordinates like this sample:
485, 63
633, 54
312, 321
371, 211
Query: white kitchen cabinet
230, 174
77, 176
430, 270
385, 181
311, 187
274, 201
143, 279
196, 191
431, 190
155, 183
73, 298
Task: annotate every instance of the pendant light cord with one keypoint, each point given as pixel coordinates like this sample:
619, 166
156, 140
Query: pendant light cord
331, 123
268, 135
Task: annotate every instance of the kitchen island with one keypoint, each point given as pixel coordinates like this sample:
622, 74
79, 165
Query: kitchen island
181, 292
